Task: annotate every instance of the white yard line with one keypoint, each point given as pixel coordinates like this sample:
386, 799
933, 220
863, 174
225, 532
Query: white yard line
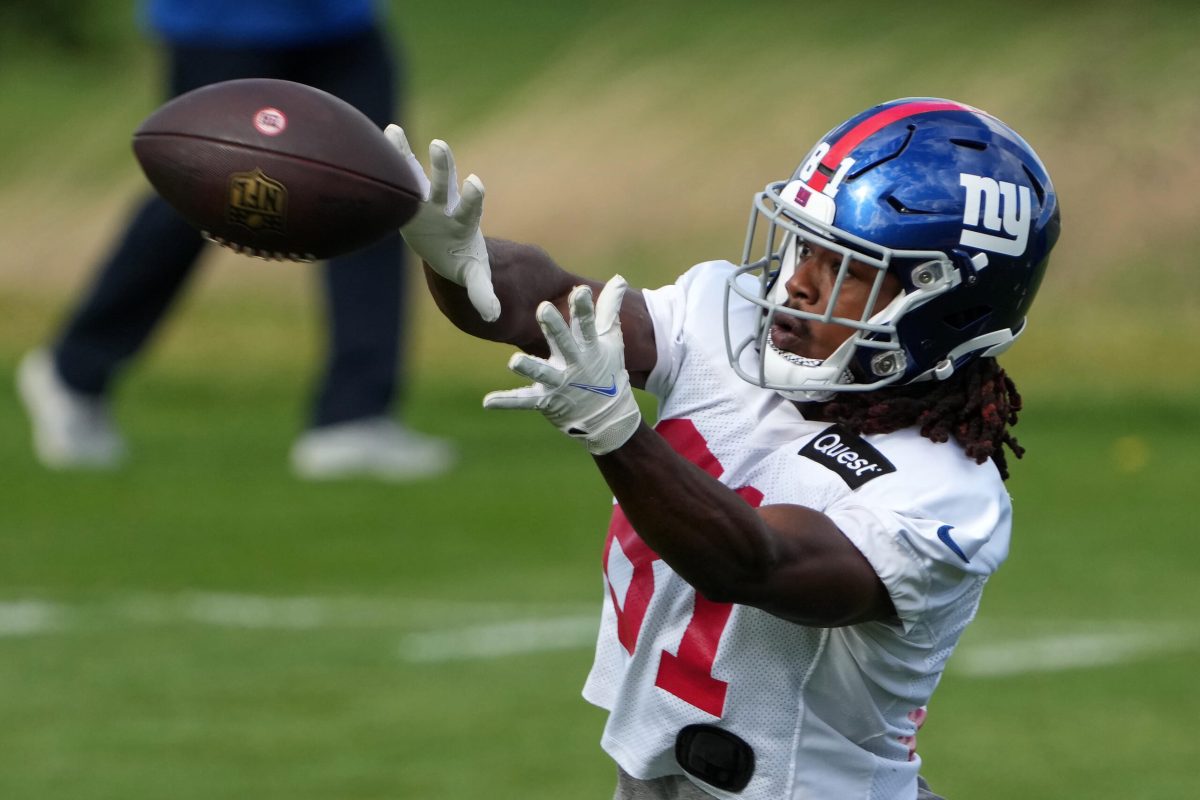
504, 639
311, 612
23, 616
1072, 650
29, 617
434, 631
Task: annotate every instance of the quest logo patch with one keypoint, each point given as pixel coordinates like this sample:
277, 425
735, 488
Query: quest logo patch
855, 461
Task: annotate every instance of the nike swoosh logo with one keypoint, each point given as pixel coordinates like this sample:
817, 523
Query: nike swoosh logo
944, 535
607, 391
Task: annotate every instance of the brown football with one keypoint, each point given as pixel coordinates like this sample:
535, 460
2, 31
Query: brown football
276, 169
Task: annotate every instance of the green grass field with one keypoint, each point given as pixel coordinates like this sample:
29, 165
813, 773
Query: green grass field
202, 625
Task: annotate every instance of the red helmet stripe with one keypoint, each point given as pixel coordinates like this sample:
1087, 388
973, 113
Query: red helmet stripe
859, 133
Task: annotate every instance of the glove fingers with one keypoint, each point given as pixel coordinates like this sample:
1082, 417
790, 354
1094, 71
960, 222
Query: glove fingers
608, 306
537, 370
583, 314
443, 176
556, 331
478, 279
525, 398
470, 207
395, 135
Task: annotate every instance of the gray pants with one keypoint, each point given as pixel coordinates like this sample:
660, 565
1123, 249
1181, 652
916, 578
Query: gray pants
670, 787
677, 787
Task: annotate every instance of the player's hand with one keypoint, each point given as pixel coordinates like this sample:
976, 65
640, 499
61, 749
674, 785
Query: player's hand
583, 388
445, 230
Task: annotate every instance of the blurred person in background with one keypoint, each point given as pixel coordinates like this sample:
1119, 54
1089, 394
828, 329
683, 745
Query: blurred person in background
341, 47
800, 541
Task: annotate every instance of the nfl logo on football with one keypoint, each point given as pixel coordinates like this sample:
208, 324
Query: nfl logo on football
257, 202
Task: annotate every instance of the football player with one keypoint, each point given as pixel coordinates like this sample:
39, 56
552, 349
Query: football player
800, 540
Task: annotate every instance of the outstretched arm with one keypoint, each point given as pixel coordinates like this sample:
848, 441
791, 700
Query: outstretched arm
523, 276
789, 560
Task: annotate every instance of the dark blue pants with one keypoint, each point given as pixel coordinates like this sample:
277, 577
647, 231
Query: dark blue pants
153, 258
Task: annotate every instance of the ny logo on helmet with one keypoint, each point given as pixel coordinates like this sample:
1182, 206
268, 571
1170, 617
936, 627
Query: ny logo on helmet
996, 206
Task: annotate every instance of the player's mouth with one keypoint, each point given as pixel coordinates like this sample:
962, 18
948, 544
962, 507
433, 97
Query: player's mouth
788, 334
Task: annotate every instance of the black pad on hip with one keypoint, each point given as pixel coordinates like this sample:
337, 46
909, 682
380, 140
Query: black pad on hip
715, 756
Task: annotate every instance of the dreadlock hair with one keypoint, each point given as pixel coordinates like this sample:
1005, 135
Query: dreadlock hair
976, 405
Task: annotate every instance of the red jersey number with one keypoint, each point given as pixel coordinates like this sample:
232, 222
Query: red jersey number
687, 674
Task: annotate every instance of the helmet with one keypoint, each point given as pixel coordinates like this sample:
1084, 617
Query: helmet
943, 196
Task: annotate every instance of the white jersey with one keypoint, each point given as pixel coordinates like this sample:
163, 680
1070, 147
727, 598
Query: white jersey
822, 708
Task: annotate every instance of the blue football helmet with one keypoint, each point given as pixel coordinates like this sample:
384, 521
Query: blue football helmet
943, 196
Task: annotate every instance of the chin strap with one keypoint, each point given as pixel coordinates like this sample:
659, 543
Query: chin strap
781, 368
985, 346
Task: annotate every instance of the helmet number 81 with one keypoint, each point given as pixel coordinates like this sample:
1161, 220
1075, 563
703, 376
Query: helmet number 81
808, 172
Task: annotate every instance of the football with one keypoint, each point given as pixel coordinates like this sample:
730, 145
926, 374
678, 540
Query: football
276, 169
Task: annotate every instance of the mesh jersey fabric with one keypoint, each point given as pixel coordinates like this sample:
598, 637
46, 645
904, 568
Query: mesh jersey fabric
822, 708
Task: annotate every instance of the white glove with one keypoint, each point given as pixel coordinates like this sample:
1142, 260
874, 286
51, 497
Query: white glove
445, 231
583, 388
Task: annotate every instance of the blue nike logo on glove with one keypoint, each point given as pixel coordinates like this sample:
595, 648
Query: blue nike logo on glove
608, 391
944, 535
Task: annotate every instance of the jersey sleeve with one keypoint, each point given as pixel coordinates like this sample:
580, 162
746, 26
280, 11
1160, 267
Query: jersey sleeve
930, 540
667, 313
672, 308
